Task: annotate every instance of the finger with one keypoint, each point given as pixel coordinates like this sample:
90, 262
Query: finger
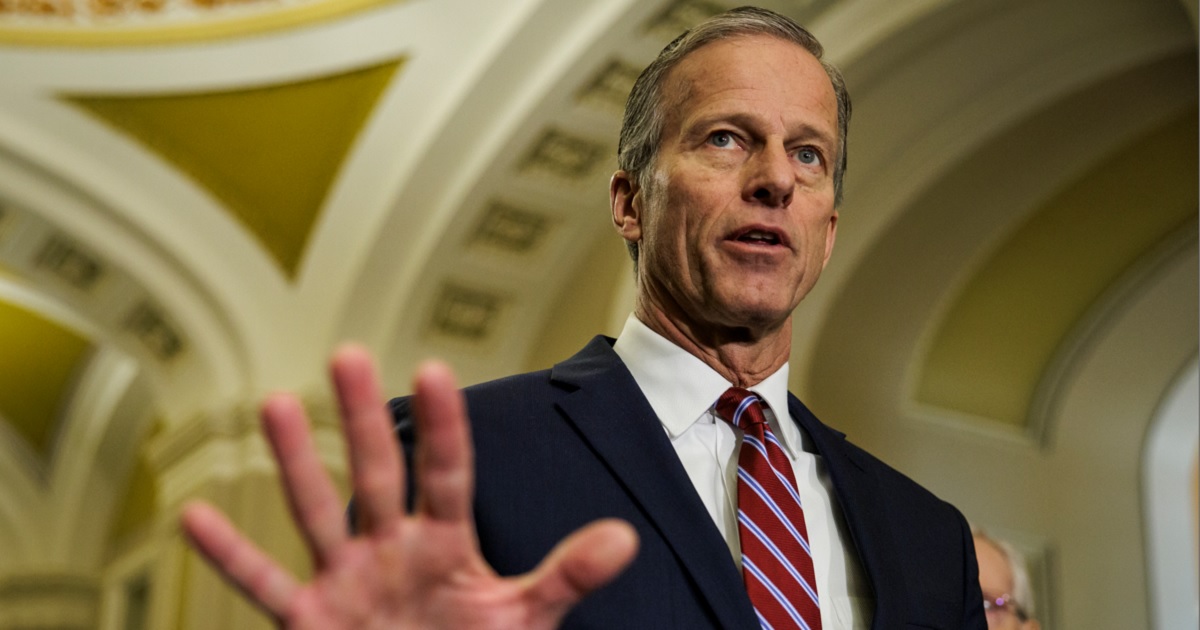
444, 462
583, 562
312, 497
237, 559
375, 462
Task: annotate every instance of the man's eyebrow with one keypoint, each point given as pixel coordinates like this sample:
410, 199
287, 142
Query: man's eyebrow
738, 119
806, 131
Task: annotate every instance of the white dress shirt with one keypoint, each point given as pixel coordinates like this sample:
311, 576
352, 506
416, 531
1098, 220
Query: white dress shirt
682, 390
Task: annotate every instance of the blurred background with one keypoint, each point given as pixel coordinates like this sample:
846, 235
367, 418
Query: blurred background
200, 198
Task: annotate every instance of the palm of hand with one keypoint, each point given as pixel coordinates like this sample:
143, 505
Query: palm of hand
422, 570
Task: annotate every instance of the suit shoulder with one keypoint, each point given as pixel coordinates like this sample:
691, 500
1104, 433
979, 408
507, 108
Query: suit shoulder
508, 392
891, 482
891, 479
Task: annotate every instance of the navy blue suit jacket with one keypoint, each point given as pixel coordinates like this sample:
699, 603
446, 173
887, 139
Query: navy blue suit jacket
557, 449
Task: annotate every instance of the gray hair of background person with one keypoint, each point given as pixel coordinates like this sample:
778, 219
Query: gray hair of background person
645, 111
1022, 588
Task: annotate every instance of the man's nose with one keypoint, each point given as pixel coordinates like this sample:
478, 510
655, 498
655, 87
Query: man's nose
771, 177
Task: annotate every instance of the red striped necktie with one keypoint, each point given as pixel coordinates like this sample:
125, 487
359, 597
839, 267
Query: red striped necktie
776, 561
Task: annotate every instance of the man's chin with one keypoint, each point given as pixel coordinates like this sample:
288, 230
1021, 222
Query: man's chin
758, 320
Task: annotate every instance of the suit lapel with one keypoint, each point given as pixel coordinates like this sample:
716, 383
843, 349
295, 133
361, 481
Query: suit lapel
601, 399
857, 493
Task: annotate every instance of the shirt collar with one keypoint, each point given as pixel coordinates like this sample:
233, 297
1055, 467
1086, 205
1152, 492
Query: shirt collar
681, 388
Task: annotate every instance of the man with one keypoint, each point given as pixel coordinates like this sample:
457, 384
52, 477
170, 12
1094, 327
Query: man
1004, 579
707, 508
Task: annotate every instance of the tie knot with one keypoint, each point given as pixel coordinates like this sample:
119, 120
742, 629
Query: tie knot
741, 407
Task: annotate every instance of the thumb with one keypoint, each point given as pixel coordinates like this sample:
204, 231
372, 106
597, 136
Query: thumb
583, 562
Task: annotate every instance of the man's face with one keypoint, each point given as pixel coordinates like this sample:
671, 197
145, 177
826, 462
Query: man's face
737, 220
996, 580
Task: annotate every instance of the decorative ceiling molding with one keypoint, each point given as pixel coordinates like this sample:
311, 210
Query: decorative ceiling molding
221, 444
564, 154
611, 86
159, 22
70, 262
511, 229
55, 599
681, 15
113, 305
41, 206
153, 328
465, 313
487, 149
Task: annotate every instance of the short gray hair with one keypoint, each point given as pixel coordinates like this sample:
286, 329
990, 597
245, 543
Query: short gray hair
1022, 588
645, 115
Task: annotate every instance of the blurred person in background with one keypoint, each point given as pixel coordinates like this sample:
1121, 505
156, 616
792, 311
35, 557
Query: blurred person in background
1004, 579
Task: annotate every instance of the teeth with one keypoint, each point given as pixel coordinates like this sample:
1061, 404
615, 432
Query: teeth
759, 237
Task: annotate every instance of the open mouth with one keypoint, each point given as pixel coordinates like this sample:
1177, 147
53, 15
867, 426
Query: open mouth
758, 236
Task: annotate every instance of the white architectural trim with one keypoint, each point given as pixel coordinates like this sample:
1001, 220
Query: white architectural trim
1167, 461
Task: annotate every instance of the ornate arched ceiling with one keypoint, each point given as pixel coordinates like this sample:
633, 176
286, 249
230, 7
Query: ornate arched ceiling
995, 342
209, 195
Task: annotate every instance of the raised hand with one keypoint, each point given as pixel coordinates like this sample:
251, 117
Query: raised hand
419, 570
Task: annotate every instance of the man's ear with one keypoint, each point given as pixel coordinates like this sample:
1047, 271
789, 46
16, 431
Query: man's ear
625, 198
830, 237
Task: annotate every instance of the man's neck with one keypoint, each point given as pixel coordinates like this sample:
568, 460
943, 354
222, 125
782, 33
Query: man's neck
742, 356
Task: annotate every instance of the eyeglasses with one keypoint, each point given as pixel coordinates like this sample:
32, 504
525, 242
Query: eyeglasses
1004, 604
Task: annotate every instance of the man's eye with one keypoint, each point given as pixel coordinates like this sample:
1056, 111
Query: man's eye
721, 139
808, 156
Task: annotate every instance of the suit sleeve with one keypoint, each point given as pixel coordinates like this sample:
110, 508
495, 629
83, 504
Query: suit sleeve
973, 616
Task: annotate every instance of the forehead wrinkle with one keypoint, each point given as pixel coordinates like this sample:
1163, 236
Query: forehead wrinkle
685, 82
